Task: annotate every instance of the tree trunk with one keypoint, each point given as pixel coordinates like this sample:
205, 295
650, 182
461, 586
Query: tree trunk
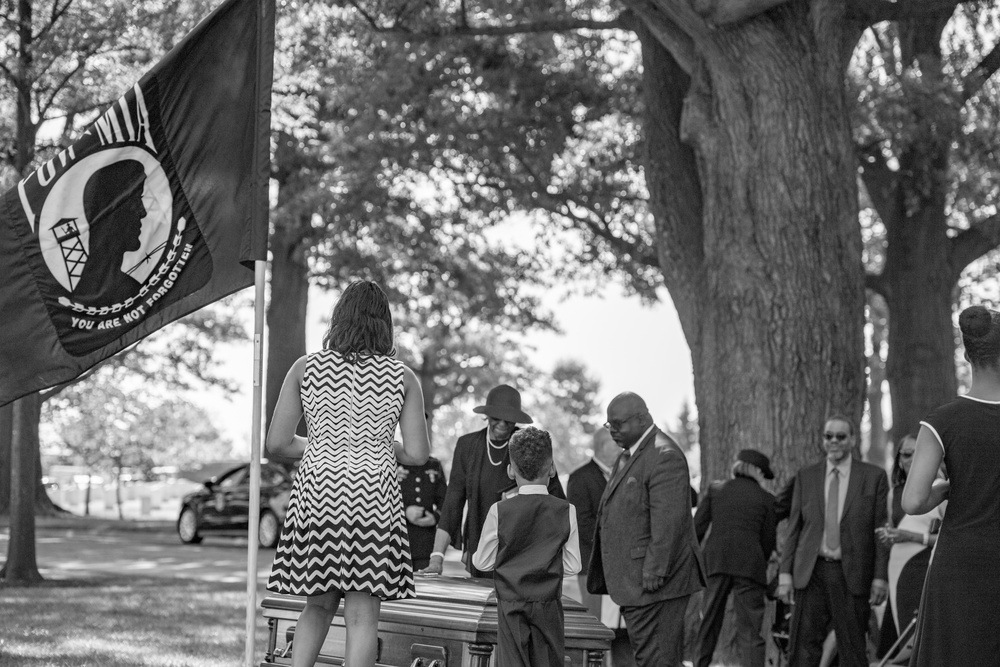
921, 359
22, 566
6, 422
286, 312
26, 134
118, 489
918, 276
767, 280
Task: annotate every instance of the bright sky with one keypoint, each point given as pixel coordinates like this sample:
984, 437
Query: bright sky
627, 346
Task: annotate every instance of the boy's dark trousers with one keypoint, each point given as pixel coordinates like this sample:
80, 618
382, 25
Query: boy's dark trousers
530, 634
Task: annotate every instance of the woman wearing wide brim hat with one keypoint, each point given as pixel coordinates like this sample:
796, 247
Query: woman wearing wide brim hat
479, 478
504, 403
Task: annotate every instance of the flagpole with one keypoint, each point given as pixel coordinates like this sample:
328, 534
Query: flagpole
255, 455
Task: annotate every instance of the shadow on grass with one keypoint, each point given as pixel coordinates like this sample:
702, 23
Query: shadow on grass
125, 622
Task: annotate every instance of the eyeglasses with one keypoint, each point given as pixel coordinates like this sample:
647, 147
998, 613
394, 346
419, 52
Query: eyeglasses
616, 424
839, 437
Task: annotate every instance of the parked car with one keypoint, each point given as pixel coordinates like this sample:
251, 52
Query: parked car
222, 506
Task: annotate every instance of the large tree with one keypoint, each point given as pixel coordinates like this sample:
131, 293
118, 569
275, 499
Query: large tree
926, 125
723, 166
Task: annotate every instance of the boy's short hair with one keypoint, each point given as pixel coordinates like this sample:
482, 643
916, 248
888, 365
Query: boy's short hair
531, 452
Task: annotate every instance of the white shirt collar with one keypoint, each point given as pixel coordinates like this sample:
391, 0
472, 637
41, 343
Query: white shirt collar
532, 490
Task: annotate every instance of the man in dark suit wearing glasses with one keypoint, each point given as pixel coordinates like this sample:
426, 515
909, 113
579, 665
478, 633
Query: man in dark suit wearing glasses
832, 557
645, 552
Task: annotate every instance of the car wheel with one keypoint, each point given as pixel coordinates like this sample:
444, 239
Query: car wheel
187, 527
268, 530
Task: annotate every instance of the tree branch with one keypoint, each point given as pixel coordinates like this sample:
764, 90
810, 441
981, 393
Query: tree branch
877, 283
666, 32
563, 206
727, 12
981, 73
882, 184
874, 11
676, 26
485, 30
974, 242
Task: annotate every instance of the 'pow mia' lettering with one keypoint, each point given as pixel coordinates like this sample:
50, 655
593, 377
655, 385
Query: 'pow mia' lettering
125, 123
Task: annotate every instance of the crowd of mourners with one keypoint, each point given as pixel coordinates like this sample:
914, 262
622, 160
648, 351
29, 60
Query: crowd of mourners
924, 540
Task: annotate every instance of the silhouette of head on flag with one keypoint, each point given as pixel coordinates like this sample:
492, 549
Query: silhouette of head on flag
112, 202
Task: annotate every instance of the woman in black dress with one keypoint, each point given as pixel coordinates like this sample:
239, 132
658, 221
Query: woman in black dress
910, 539
961, 598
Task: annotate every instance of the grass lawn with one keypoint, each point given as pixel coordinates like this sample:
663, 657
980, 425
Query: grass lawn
125, 622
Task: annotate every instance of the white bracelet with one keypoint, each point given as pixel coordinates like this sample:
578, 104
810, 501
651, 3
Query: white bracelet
927, 539
437, 553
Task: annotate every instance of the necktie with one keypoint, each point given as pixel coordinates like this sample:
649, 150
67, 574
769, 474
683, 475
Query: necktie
832, 522
621, 463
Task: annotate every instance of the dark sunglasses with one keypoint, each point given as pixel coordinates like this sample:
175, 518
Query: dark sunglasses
839, 437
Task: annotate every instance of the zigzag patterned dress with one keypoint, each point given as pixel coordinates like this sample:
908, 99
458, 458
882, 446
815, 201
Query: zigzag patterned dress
345, 529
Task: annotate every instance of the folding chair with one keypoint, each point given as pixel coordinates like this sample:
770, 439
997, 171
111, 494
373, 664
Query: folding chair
903, 646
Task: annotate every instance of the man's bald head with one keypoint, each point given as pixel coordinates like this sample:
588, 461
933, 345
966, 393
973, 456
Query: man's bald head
629, 401
628, 418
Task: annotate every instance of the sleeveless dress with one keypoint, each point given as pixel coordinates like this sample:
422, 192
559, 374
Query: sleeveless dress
345, 529
960, 606
908, 562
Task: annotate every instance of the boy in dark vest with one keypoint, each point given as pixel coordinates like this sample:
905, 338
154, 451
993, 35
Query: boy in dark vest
530, 541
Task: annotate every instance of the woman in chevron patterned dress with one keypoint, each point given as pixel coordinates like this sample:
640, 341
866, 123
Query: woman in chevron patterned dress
345, 531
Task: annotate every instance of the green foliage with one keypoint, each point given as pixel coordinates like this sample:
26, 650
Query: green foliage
686, 430
113, 420
139, 410
910, 108
81, 55
437, 133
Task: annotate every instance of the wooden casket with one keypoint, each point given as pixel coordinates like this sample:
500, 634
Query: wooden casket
451, 623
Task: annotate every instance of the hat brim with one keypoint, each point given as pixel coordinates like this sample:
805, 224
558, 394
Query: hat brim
507, 414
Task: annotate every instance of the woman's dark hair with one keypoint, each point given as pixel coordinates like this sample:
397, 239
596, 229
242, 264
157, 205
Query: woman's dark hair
361, 324
981, 336
898, 474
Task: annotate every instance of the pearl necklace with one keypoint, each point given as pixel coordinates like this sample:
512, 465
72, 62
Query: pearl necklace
490, 446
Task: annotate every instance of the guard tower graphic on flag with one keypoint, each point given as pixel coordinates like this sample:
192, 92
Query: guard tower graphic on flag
74, 255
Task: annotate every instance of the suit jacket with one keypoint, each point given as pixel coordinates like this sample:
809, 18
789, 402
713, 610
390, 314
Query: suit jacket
463, 488
584, 489
741, 515
865, 509
644, 526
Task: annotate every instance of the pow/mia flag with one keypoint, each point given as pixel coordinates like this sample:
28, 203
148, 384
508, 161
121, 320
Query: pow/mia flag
157, 210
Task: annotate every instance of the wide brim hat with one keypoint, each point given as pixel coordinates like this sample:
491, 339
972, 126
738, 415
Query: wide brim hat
755, 458
504, 402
